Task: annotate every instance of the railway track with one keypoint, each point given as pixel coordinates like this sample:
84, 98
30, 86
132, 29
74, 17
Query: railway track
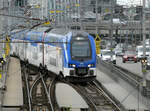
96, 97
134, 79
39, 89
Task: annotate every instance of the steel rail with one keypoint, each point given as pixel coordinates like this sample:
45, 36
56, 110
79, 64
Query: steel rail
51, 91
105, 94
33, 85
89, 98
84, 95
47, 93
28, 91
24, 72
95, 94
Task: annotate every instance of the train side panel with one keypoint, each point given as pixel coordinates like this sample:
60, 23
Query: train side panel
51, 58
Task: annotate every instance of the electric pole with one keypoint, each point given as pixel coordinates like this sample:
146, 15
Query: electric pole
144, 28
144, 49
96, 16
111, 27
111, 23
81, 13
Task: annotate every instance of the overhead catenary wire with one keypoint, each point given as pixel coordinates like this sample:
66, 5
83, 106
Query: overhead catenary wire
36, 19
31, 42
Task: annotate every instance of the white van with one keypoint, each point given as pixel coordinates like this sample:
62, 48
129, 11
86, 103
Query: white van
108, 55
139, 52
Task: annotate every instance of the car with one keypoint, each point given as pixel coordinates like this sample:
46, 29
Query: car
129, 56
139, 52
108, 55
118, 51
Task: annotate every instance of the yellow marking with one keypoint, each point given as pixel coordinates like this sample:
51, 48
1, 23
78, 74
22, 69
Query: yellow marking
77, 5
68, 6
52, 11
107, 10
0, 76
47, 23
7, 47
4, 56
57, 11
37, 6
97, 42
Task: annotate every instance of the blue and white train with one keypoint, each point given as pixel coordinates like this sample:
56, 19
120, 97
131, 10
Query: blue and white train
68, 53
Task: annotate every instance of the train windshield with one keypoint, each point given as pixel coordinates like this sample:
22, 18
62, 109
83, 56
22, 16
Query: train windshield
80, 49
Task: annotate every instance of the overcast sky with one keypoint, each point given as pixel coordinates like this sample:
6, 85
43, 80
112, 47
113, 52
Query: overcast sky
129, 2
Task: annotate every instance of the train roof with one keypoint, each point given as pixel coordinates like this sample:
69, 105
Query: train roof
41, 29
36, 34
63, 32
59, 31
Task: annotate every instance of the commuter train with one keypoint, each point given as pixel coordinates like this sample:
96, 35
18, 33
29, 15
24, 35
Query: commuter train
70, 54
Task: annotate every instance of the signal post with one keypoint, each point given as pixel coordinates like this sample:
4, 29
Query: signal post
144, 71
144, 59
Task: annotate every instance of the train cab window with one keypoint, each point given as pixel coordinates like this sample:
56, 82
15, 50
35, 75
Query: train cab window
80, 49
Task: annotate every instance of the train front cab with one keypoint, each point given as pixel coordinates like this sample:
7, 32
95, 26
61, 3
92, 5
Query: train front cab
82, 59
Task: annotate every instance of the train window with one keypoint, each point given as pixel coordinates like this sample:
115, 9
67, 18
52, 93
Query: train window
80, 49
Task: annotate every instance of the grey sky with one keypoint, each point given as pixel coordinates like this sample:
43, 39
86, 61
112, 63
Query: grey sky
129, 2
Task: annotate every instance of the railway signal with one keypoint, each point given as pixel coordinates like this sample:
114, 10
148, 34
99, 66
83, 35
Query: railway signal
144, 64
144, 61
97, 42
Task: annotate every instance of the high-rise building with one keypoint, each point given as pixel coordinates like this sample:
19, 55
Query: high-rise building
103, 6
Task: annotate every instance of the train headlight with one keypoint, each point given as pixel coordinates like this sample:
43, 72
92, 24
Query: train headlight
72, 65
90, 65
